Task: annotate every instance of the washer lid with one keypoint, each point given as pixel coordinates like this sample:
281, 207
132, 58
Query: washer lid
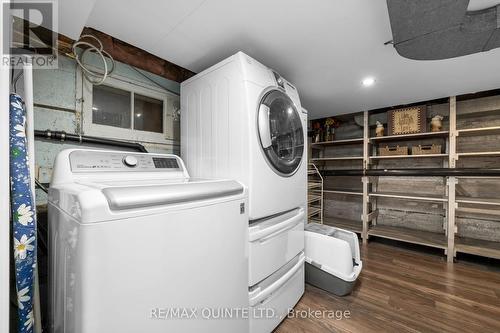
130, 196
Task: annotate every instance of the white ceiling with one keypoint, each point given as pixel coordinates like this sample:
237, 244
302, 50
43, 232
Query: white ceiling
324, 47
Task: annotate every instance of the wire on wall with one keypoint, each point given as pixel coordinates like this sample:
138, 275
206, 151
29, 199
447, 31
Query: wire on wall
95, 77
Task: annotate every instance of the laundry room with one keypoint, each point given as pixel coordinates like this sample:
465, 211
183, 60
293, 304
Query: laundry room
250, 166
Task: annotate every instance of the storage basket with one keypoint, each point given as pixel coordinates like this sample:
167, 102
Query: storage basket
392, 151
426, 149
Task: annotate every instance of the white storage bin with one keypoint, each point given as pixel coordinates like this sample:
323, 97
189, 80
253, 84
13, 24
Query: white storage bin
333, 260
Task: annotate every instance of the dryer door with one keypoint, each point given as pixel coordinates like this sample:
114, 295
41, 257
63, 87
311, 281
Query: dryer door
280, 132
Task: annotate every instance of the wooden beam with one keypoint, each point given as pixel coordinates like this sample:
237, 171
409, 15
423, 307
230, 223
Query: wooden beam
120, 51
134, 56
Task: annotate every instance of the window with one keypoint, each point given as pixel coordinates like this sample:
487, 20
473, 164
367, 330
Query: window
127, 111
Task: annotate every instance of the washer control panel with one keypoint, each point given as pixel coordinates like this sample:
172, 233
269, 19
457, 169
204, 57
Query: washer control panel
90, 161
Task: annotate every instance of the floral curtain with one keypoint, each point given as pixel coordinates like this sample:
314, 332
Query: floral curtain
23, 214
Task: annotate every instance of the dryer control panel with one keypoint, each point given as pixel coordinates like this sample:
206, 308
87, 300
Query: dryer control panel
89, 161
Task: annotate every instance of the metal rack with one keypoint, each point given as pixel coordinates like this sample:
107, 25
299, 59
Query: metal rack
314, 194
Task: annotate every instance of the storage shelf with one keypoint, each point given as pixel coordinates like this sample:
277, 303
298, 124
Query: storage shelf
313, 211
343, 192
351, 225
343, 158
478, 247
337, 142
313, 198
478, 201
425, 135
419, 237
420, 197
311, 185
479, 131
407, 156
479, 154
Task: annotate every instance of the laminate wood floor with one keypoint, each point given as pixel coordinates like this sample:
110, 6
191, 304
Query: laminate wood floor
403, 290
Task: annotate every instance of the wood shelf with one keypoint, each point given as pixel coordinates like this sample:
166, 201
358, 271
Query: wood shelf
420, 197
342, 158
479, 131
479, 154
419, 237
341, 223
478, 201
442, 134
346, 192
337, 142
478, 247
407, 156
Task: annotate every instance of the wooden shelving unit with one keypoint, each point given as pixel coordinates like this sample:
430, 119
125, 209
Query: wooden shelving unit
418, 197
407, 156
337, 142
441, 134
345, 192
351, 225
419, 237
478, 247
449, 201
479, 131
342, 158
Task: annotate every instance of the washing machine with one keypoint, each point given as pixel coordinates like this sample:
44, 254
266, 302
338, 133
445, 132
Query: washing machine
242, 120
136, 245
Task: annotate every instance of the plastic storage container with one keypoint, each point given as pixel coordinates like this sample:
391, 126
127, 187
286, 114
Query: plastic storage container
333, 260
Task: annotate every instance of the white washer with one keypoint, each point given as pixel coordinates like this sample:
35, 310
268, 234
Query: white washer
243, 121
136, 245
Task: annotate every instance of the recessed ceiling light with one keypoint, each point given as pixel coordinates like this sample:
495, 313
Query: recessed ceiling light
369, 81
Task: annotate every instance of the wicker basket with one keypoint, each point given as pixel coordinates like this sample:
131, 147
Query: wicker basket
393, 151
426, 149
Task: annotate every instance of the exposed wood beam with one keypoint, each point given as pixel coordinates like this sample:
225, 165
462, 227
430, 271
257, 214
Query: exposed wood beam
134, 56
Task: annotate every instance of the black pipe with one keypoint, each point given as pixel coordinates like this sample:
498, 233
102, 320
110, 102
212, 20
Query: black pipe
358, 172
63, 136
436, 172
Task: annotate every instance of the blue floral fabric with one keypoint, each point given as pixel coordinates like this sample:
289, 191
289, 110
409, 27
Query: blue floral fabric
23, 214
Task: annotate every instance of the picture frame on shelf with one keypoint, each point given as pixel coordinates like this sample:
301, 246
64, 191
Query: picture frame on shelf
409, 120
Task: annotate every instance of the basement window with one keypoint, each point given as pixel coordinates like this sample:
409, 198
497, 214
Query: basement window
123, 110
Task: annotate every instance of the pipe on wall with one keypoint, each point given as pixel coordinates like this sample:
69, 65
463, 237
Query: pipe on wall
63, 136
430, 172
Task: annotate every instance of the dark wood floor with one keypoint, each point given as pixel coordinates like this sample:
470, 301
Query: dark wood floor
403, 290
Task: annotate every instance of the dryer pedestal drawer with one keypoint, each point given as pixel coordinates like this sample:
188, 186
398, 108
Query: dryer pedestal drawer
272, 299
273, 243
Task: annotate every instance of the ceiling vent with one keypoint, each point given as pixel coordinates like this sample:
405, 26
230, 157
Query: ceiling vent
442, 29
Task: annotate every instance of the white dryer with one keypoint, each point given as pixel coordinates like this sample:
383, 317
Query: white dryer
241, 120
136, 245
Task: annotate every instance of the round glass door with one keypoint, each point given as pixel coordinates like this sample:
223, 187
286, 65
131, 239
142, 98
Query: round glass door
281, 133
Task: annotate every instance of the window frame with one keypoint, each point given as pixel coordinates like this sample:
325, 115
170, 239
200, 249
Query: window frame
129, 134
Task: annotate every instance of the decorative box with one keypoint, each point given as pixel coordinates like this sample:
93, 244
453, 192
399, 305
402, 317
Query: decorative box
392, 151
426, 149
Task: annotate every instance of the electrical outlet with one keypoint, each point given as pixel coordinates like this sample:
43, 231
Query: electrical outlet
44, 175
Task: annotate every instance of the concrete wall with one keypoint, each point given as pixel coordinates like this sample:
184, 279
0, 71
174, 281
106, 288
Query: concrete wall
56, 108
